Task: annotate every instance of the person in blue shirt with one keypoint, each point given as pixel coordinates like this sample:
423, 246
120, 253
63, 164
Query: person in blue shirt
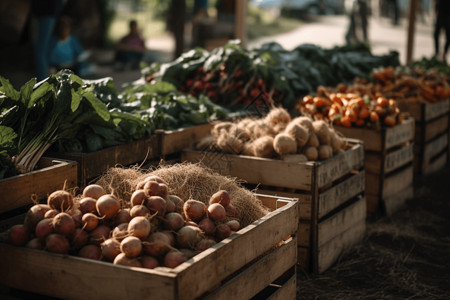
65, 50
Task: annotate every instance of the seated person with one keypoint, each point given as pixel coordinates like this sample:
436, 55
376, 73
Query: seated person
65, 50
130, 49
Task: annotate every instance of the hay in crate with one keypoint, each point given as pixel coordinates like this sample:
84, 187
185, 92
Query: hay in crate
188, 181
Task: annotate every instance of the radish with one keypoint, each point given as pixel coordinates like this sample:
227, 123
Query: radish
170, 236
123, 260
155, 178
35, 214
139, 227
139, 211
156, 204
194, 210
123, 216
89, 221
230, 210
205, 244
151, 188
177, 201
87, 205
50, 214
216, 212
174, 258
99, 234
222, 231
44, 228
189, 236
57, 243
18, 235
221, 197
234, 225
138, 198
35, 244
120, 231
131, 246
91, 252
170, 206
207, 226
79, 238
163, 190
107, 206
156, 244
190, 223
93, 191
110, 249
149, 262
63, 224
60, 200
173, 221
77, 216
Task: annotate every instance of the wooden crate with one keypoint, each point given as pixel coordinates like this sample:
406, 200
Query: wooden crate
332, 206
388, 164
258, 258
92, 165
431, 134
51, 174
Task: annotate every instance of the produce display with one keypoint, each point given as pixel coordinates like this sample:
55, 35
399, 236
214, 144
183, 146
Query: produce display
140, 219
235, 77
277, 135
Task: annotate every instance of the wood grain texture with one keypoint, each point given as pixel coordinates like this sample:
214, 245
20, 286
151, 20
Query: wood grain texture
173, 141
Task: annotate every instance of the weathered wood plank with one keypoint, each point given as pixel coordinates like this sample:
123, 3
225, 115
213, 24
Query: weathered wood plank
222, 260
424, 112
398, 181
303, 258
341, 193
259, 275
428, 131
432, 148
51, 175
436, 165
372, 138
398, 158
399, 134
287, 291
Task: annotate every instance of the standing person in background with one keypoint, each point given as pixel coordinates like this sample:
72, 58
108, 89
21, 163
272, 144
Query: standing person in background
130, 49
357, 11
395, 15
442, 8
46, 12
175, 19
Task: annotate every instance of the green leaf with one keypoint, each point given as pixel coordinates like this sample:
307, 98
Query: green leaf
8, 89
25, 92
39, 92
76, 100
99, 107
7, 138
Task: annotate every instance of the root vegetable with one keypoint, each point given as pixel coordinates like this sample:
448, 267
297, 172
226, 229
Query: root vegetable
173, 221
156, 204
120, 231
123, 260
216, 212
139, 211
79, 238
325, 152
93, 191
60, 200
163, 190
35, 244
248, 149
337, 142
311, 153
110, 249
188, 253
35, 214
263, 147
87, 205
63, 223
50, 214
170, 206
321, 129
170, 237
99, 234
57, 243
207, 226
222, 231
151, 188
194, 210
305, 122
205, 244
174, 258
131, 246
284, 144
139, 227
44, 228
123, 216
230, 210
298, 132
138, 198
313, 141
178, 202
91, 252
189, 236
107, 206
149, 262
277, 115
89, 221
156, 244
77, 216
18, 235
222, 197
234, 225
229, 144
154, 178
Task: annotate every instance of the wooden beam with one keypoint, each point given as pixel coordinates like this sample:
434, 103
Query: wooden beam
411, 30
240, 28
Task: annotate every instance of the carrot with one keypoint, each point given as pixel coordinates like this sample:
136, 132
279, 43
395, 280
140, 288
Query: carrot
390, 120
383, 102
363, 113
345, 121
374, 116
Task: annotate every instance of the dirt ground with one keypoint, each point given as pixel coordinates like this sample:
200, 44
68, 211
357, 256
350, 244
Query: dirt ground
403, 256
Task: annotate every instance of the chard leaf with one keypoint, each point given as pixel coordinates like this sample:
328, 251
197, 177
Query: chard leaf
25, 92
7, 137
39, 92
8, 89
99, 107
76, 100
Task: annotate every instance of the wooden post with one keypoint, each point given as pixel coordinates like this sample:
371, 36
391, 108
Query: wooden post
411, 30
240, 26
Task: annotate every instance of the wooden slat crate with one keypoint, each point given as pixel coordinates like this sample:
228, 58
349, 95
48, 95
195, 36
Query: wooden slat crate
258, 258
92, 165
431, 134
51, 174
331, 193
388, 164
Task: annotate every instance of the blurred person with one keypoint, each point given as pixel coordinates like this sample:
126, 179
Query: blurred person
395, 16
175, 19
130, 49
357, 11
442, 8
46, 12
65, 50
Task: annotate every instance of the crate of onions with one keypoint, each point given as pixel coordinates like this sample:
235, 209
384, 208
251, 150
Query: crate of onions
176, 232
